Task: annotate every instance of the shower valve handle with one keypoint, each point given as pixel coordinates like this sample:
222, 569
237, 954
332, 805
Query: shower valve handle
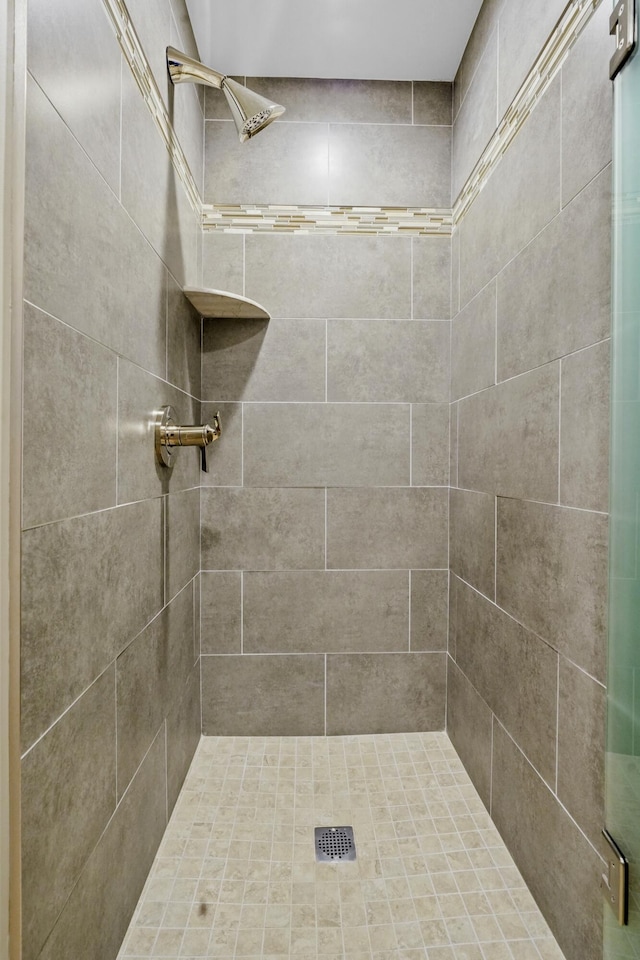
170, 435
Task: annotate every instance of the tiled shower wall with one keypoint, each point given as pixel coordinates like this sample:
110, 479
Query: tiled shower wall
110, 681
325, 518
529, 379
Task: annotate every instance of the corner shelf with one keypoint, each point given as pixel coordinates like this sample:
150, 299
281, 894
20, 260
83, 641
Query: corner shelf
222, 305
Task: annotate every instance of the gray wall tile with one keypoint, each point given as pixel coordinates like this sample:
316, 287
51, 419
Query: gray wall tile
555, 297
584, 429
223, 261
429, 609
291, 165
340, 101
387, 528
183, 341
290, 273
563, 873
67, 379
387, 360
515, 673
430, 444
383, 164
582, 709
264, 360
221, 612
273, 696
68, 795
182, 539
183, 735
453, 444
262, 529
188, 124
140, 397
587, 106
552, 576
96, 915
518, 202
432, 102
385, 692
455, 272
473, 345
153, 25
431, 278
307, 445
477, 117
316, 612
152, 674
523, 32
472, 539
224, 458
71, 214
71, 47
508, 437
73, 594
469, 726
483, 28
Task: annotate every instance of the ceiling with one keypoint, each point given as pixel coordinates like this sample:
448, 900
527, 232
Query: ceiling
345, 39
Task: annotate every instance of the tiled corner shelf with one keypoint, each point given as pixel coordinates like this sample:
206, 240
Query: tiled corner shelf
223, 305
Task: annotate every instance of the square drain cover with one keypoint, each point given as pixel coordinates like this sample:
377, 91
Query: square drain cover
334, 843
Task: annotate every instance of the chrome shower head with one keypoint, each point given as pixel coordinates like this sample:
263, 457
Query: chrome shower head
251, 112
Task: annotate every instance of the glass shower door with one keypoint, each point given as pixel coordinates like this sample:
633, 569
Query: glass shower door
623, 720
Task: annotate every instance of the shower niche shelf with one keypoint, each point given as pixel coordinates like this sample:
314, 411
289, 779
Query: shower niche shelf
219, 304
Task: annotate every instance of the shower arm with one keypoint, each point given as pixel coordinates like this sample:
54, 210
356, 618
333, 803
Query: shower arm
183, 69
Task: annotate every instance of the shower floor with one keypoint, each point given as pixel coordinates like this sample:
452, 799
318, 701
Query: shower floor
236, 874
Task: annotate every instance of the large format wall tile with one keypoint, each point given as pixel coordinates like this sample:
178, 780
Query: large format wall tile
508, 437
67, 379
515, 673
387, 528
584, 429
340, 101
477, 117
307, 445
552, 576
469, 725
473, 340
523, 31
224, 458
429, 609
259, 529
385, 693
563, 871
184, 353
472, 539
482, 29
277, 696
432, 102
430, 444
582, 709
151, 677
387, 361
288, 166
74, 56
517, 202
182, 538
431, 274
387, 165
221, 612
71, 216
223, 261
555, 297
68, 796
82, 605
274, 360
96, 915
184, 729
319, 612
330, 276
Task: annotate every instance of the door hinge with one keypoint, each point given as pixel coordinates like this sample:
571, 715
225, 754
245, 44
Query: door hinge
615, 882
622, 22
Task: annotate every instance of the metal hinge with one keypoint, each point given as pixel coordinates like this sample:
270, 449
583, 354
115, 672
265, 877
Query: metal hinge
615, 882
622, 22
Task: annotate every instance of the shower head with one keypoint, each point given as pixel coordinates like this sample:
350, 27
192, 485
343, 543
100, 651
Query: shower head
250, 111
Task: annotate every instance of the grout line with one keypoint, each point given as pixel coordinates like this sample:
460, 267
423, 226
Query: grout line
326, 523
326, 361
493, 720
242, 612
410, 444
242, 444
115, 695
495, 550
411, 280
557, 724
410, 588
117, 424
559, 431
325, 694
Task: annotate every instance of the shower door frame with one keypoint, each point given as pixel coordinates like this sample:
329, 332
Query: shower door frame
12, 176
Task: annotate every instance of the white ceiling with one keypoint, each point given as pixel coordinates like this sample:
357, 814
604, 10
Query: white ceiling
345, 39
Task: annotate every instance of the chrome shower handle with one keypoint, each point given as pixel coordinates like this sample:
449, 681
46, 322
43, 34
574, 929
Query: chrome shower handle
169, 435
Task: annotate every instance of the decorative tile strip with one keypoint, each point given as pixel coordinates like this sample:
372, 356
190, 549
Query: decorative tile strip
573, 21
135, 57
398, 221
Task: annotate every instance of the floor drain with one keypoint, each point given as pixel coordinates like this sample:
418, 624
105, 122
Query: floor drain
334, 843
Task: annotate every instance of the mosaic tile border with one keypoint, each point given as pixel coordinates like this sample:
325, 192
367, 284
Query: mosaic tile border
384, 221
